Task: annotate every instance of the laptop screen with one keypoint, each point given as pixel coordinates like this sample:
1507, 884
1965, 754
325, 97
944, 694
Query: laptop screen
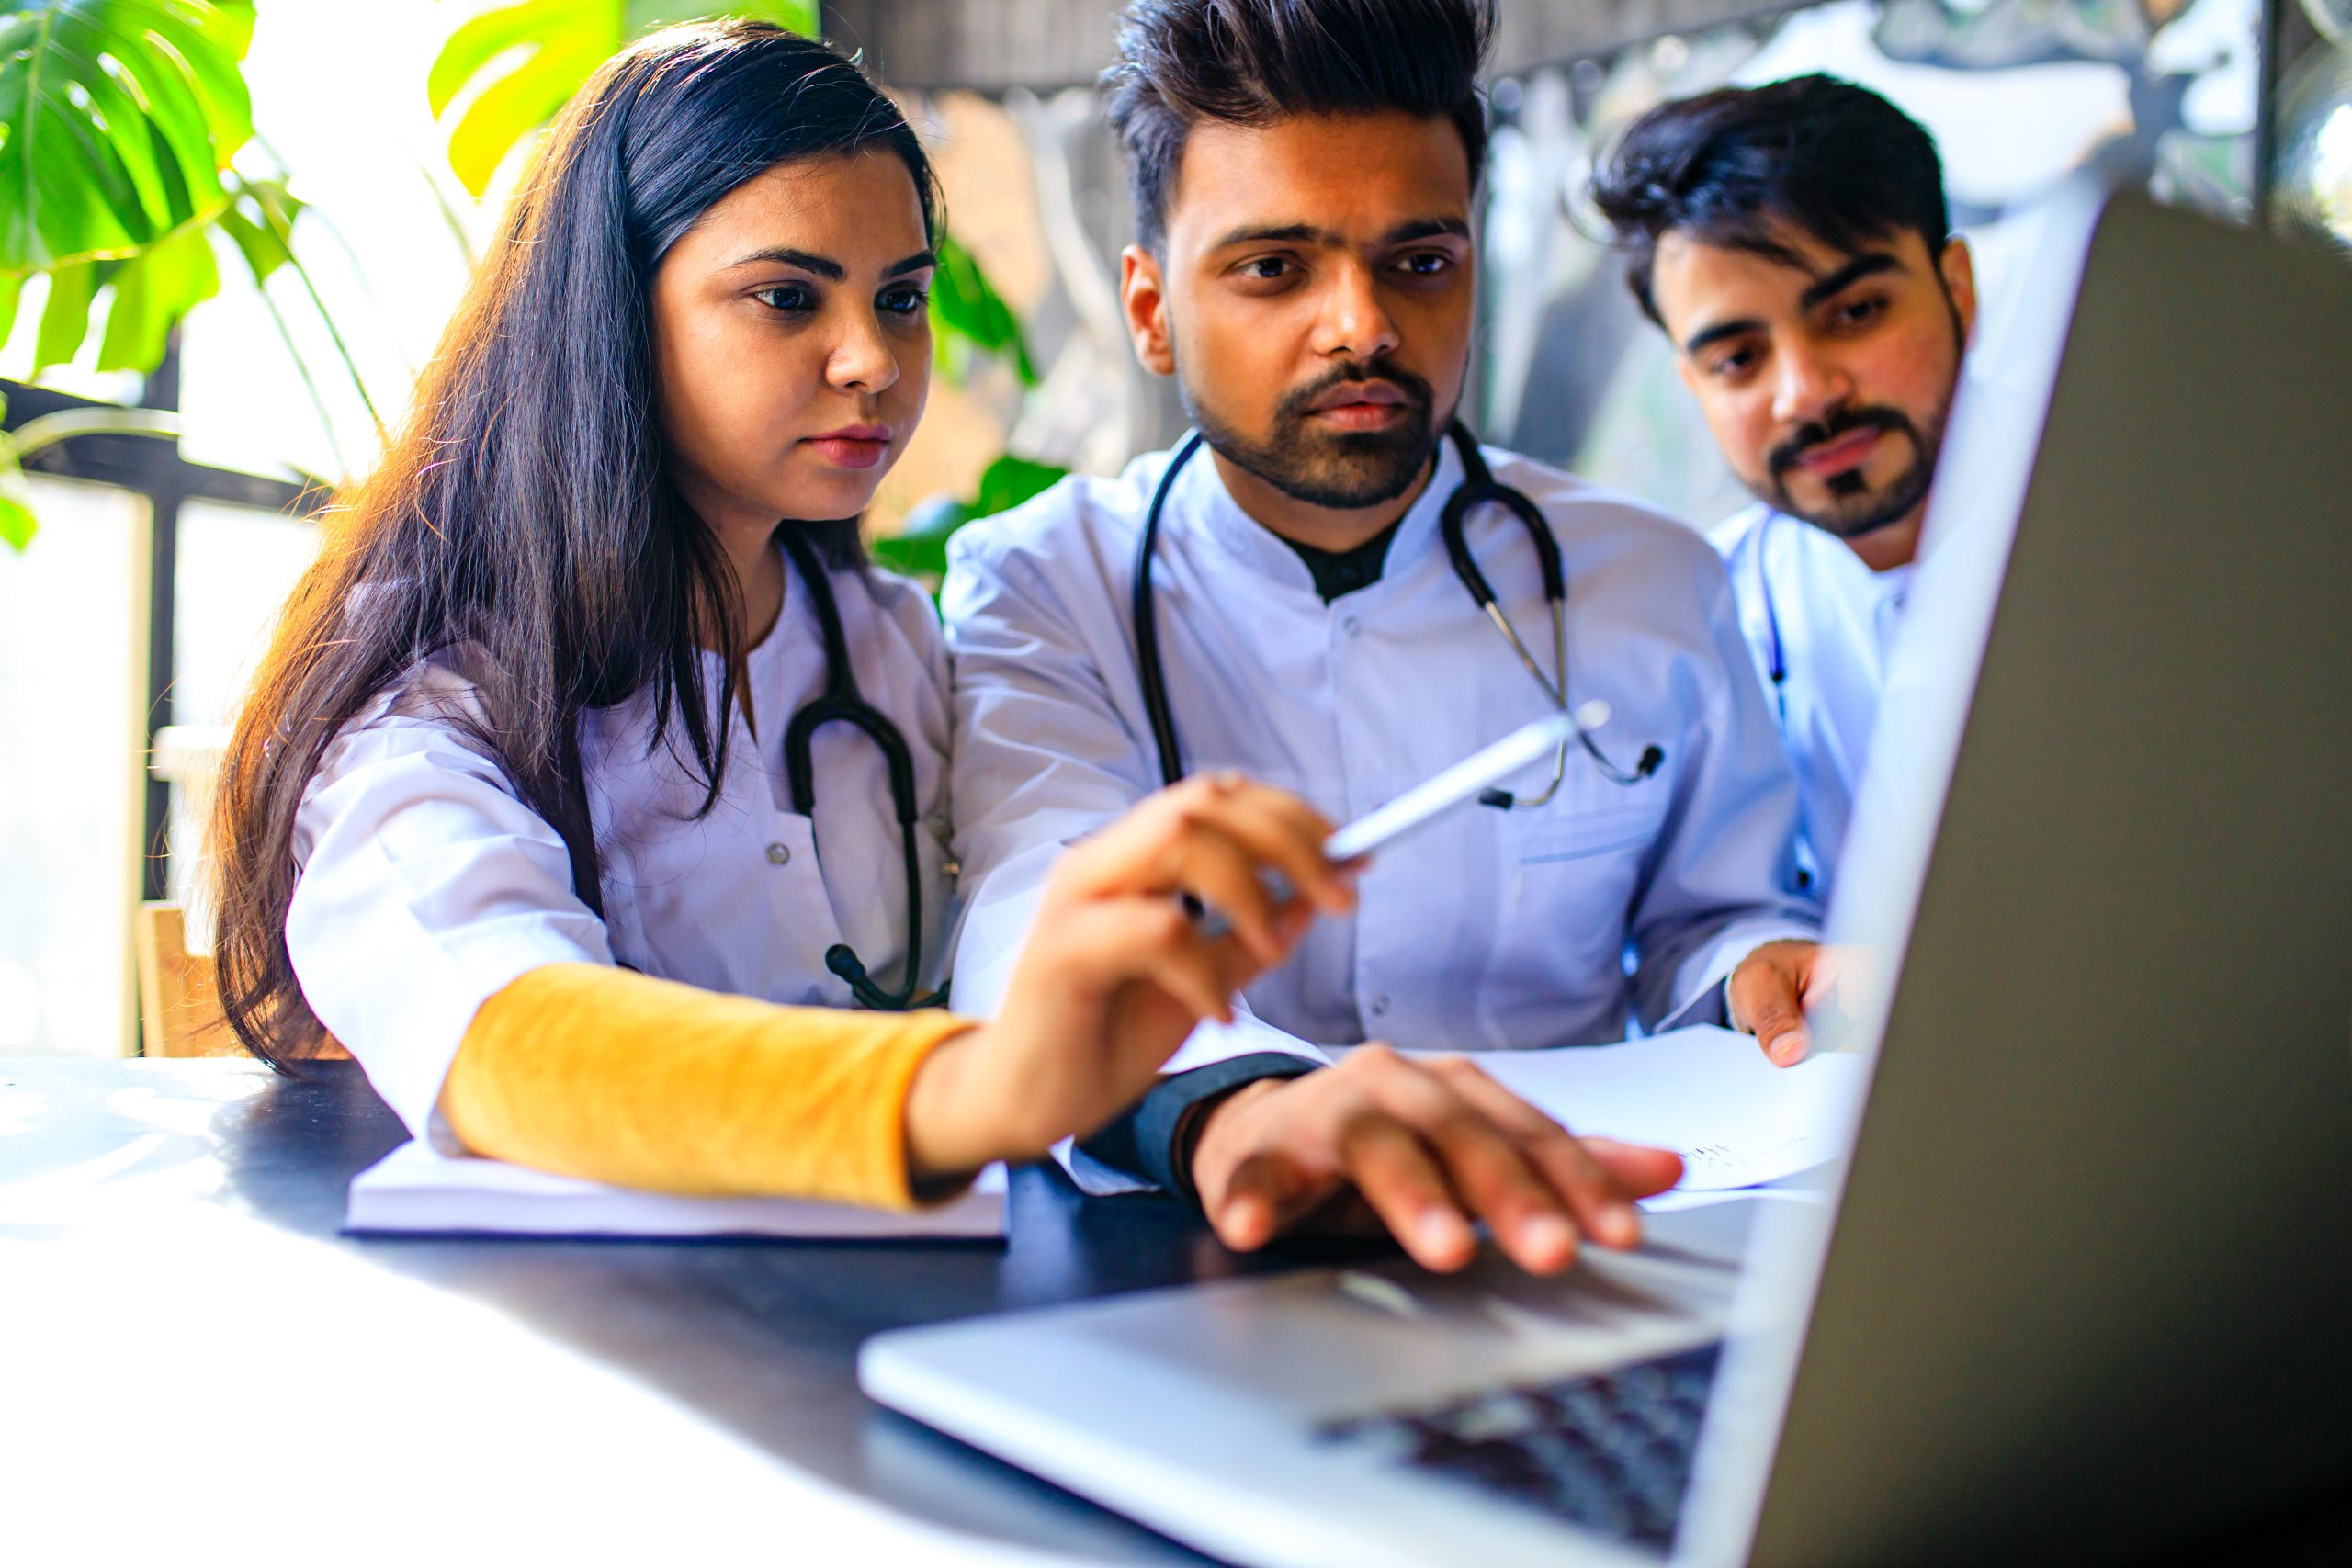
1982, 476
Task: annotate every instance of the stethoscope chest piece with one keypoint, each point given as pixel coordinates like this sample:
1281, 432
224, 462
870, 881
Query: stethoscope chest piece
841, 702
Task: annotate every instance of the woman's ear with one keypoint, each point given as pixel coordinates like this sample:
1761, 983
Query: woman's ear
1146, 306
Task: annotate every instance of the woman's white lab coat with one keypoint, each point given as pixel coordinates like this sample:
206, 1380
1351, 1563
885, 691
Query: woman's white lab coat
427, 886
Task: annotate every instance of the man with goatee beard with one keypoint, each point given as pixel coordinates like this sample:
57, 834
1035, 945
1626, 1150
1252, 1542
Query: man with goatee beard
1792, 240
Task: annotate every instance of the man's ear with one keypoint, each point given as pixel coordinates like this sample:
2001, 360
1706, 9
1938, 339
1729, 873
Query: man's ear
1146, 304
1958, 266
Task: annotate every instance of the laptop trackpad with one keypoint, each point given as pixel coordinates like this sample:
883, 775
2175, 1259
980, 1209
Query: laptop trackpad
1325, 1341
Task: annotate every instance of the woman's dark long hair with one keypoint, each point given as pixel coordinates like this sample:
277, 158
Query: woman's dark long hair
523, 524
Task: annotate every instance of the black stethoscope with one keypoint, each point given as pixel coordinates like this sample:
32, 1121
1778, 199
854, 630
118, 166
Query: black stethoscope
1477, 488
841, 703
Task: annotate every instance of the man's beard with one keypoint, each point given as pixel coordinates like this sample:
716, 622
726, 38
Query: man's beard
1346, 470
1853, 508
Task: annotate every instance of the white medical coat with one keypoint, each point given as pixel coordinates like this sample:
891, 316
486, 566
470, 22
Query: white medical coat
427, 886
1837, 620
1487, 929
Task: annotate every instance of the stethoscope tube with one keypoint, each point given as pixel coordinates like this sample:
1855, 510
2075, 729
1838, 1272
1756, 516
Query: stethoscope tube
1478, 488
1776, 663
842, 704
1147, 623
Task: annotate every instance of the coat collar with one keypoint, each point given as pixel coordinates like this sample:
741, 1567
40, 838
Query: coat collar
1200, 501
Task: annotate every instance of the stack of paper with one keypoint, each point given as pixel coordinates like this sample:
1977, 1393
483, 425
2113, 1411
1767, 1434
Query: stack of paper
414, 1190
1709, 1094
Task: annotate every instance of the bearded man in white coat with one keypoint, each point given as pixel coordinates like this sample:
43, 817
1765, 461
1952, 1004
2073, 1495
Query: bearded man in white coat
1794, 241
1304, 175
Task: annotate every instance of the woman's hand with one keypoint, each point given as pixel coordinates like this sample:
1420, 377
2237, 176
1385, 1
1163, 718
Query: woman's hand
1115, 974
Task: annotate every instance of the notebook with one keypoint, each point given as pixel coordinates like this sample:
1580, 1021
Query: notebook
414, 1190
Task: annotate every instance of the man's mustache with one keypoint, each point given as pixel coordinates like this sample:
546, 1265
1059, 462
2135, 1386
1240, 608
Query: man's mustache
1845, 421
1298, 402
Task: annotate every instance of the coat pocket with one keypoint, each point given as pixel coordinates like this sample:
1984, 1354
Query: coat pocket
1569, 881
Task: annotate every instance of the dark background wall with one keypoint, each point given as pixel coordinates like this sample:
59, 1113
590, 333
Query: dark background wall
988, 46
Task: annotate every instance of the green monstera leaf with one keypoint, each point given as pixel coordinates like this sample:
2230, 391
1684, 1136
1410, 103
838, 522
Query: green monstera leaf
118, 120
117, 117
152, 292
527, 58
972, 317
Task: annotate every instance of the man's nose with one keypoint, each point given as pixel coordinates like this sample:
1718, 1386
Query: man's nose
1354, 321
1807, 385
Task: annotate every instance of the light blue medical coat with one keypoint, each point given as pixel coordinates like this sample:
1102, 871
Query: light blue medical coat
1837, 620
1489, 929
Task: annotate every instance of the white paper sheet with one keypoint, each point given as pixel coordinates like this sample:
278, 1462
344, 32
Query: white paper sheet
414, 1190
1709, 1094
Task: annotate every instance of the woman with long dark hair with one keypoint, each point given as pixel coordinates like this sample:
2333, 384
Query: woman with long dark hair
591, 776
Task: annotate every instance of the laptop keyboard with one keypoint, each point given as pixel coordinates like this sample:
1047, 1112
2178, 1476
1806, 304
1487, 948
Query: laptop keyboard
1610, 1451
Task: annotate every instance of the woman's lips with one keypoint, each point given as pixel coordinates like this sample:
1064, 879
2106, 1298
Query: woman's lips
859, 447
1849, 451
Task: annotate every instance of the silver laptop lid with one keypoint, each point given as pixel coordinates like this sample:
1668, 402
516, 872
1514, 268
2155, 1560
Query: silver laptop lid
2092, 1292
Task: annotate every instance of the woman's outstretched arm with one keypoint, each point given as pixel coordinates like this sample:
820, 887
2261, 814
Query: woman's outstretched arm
598, 1072
595, 1071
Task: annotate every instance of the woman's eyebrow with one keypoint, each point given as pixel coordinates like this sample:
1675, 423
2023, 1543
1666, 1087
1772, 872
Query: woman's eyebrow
823, 266
826, 267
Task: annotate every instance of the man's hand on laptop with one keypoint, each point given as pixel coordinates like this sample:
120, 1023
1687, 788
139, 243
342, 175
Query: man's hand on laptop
1425, 1148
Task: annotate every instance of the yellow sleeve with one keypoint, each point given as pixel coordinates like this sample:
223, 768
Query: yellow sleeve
620, 1077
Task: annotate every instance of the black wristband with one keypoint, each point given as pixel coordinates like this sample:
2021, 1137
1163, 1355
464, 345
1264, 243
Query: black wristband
1141, 1141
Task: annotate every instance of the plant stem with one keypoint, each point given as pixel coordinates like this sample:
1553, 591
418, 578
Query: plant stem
351, 367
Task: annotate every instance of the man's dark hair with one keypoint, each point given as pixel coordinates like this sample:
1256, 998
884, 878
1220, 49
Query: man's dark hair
1741, 167
1254, 61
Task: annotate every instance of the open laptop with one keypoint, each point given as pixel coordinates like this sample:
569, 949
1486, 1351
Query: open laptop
2084, 1286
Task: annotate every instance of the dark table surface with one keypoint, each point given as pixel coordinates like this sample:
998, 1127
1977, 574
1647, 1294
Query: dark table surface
179, 1183
182, 1326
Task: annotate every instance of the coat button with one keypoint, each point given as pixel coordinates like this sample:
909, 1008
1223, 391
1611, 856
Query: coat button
1379, 1007
1351, 626
779, 854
